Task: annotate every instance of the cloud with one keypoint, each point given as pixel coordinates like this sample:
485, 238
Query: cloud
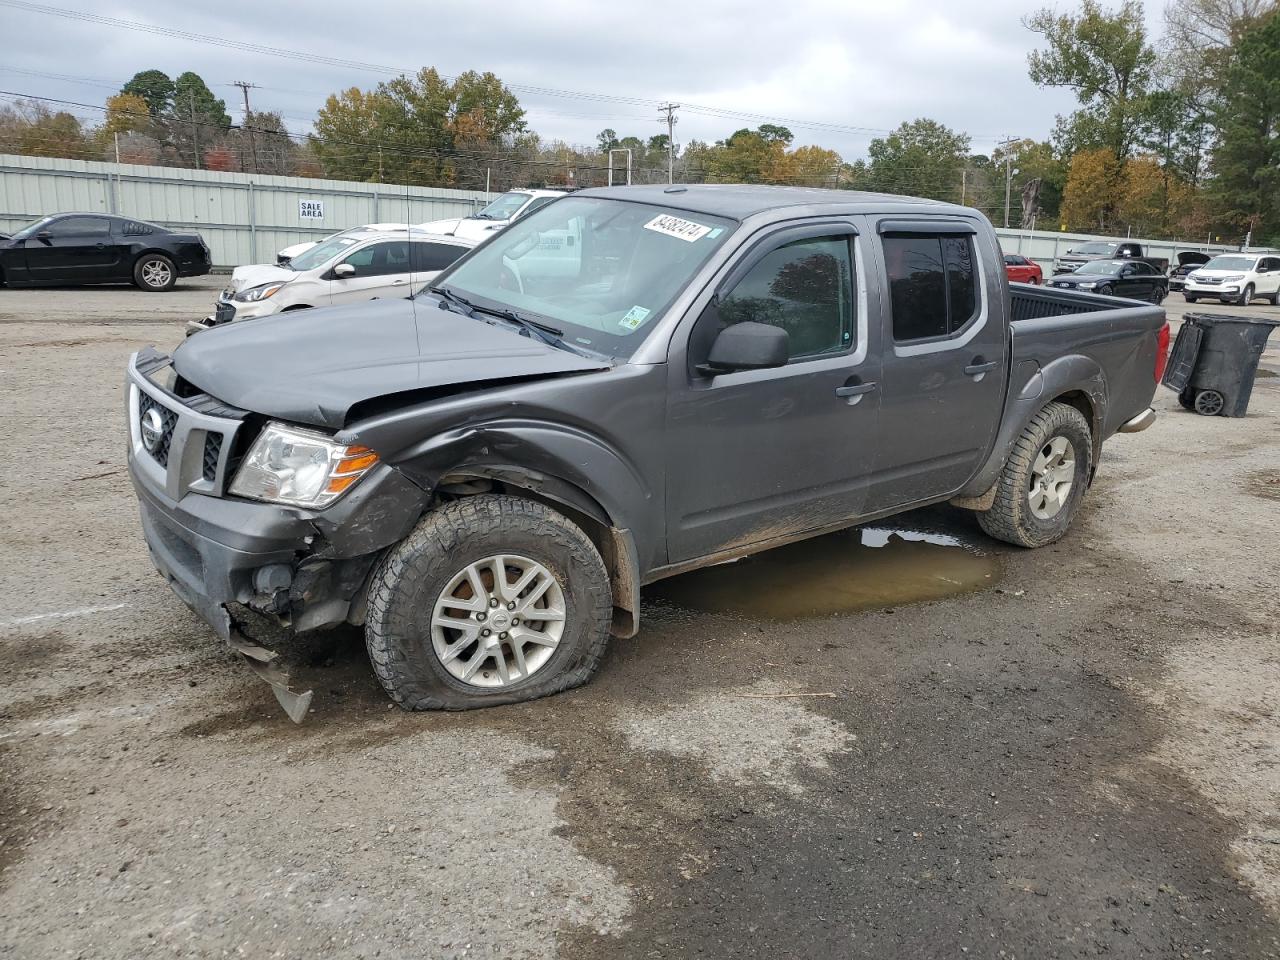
856, 65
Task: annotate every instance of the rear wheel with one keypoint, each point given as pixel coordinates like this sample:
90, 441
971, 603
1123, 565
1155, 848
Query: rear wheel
154, 273
491, 600
1209, 403
1044, 479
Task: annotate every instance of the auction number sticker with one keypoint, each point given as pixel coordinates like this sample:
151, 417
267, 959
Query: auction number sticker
675, 227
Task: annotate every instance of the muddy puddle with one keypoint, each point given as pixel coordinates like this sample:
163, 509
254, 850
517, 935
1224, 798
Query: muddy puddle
865, 569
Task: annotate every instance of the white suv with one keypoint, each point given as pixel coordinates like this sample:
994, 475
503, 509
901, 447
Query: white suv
1235, 278
499, 213
342, 269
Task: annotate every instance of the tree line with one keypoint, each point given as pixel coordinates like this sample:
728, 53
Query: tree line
1179, 139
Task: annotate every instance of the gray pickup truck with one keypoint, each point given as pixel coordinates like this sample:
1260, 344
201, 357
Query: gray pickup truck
625, 385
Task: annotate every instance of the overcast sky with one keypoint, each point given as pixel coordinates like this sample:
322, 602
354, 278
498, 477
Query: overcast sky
865, 66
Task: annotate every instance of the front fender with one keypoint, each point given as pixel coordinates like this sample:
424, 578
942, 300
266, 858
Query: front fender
1033, 388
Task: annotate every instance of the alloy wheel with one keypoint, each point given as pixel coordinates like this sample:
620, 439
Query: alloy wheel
1053, 474
498, 621
156, 273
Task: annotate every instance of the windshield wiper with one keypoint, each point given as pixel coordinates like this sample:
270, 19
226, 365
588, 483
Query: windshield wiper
538, 331
466, 307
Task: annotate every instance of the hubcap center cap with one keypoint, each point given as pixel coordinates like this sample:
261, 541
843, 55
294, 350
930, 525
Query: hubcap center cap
500, 620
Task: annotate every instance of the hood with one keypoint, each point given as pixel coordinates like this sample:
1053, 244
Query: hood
1075, 279
472, 228
256, 274
313, 366
1190, 258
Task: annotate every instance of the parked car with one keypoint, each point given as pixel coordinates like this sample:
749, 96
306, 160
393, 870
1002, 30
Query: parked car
288, 253
485, 475
80, 248
1235, 278
1020, 269
1188, 260
347, 268
1106, 250
1134, 279
496, 215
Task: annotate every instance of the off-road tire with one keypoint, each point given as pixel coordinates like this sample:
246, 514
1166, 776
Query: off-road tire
404, 588
1010, 518
139, 270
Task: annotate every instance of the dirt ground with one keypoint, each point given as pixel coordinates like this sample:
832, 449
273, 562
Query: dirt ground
1061, 753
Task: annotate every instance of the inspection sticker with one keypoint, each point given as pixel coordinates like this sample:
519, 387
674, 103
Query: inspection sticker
634, 317
675, 227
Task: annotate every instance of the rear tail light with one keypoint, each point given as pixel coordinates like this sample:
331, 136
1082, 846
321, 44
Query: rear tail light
1162, 351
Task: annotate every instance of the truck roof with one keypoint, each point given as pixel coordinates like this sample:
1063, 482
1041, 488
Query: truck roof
738, 201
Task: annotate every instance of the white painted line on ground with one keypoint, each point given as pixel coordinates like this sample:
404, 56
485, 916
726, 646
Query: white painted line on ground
60, 615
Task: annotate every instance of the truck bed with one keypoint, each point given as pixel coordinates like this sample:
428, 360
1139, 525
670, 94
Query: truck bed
1114, 336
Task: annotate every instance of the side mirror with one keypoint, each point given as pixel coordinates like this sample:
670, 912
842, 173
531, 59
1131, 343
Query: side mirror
747, 346
344, 270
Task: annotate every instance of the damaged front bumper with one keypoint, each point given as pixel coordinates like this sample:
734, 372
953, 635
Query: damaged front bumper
305, 568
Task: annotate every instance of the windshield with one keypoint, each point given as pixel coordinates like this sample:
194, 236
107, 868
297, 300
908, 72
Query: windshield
603, 271
1096, 249
322, 252
31, 228
1107, 267
505, 207
1230, 263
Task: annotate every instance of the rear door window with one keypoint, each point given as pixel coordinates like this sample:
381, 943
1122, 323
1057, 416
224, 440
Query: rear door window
426, 257
933, 284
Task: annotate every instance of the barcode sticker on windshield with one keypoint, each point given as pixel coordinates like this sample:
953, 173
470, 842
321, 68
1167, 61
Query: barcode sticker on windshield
634, 317
675, 227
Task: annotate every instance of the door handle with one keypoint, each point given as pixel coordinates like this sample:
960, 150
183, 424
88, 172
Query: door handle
977, 368
398, 283
852, 392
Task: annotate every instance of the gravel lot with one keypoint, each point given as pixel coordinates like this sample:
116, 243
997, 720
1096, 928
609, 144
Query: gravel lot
1076, 753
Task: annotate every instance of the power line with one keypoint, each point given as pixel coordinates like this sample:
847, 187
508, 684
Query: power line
305, 57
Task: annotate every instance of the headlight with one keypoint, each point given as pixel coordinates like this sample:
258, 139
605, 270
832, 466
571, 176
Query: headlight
1233, 278
254, 294
302, 468
1087, 286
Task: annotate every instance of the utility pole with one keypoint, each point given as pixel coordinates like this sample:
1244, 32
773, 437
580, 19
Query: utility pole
1008, 176
670, 110
195, 130
253, 147
964, 185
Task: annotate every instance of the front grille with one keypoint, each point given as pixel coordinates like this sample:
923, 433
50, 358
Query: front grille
168, 419
212, 448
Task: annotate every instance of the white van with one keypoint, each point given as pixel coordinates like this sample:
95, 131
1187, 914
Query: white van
345, 268
1235, 278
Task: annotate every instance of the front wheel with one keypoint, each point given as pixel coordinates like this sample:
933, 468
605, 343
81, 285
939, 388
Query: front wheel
154, 273
1103, 291
491, 600
1246, 298
1044, 479
1189, 298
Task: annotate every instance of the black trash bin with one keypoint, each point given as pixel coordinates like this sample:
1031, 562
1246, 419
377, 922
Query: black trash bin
1214, 360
